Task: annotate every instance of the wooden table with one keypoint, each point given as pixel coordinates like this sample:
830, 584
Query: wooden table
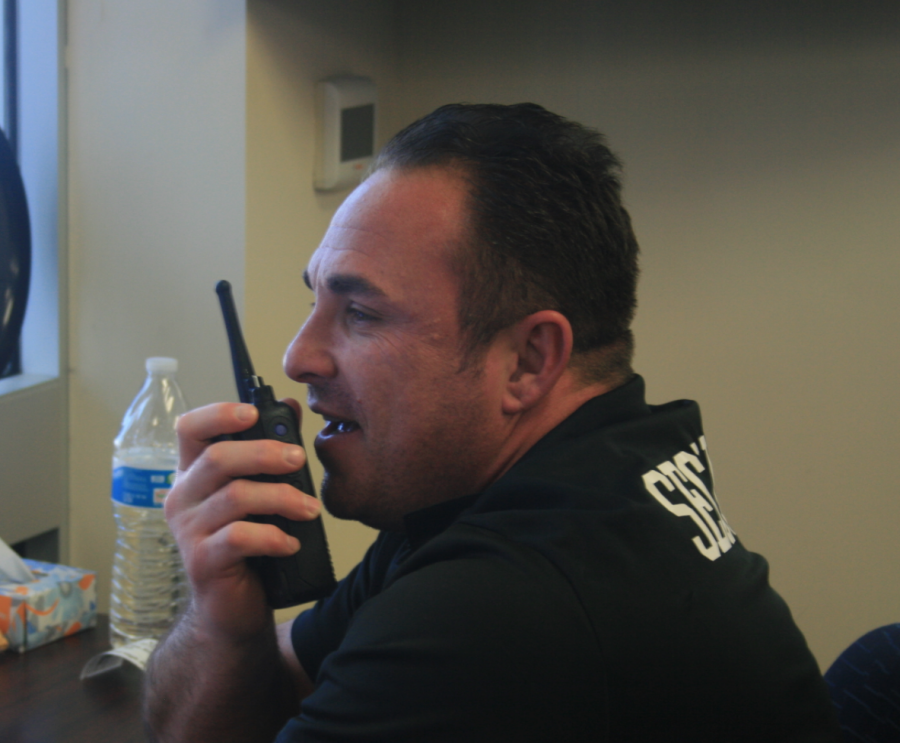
42, 699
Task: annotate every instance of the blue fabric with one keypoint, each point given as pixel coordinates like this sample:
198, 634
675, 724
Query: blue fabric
865, 687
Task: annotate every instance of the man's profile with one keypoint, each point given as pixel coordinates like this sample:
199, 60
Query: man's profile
552, 562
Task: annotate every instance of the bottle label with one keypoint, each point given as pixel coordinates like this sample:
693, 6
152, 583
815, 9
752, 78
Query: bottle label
142, 488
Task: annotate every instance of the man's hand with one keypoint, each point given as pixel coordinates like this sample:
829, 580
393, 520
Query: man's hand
207, 507
219, 675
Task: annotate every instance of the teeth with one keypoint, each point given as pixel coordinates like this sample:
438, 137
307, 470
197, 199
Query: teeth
343, 426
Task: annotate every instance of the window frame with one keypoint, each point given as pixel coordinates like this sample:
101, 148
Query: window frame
34, 403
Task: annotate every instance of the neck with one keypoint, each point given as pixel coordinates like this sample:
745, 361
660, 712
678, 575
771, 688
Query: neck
531, 425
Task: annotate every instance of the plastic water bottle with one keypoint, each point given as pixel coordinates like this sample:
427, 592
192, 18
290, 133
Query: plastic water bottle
148, 583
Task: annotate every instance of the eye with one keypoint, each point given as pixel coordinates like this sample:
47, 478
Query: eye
357, 316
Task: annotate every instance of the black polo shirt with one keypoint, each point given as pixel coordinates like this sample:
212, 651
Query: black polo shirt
594, 593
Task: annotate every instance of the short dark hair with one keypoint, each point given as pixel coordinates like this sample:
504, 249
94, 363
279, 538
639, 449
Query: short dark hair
550, 230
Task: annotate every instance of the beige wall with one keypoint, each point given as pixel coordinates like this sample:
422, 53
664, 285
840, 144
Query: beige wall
156, 207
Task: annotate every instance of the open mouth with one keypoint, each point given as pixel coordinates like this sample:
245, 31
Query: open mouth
336, 426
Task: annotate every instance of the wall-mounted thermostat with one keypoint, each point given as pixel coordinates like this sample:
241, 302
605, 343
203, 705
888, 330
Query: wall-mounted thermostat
346, 131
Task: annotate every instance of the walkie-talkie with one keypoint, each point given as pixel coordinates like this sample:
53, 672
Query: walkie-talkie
307, 575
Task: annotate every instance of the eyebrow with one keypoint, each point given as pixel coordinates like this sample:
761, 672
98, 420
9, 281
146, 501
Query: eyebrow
348, 284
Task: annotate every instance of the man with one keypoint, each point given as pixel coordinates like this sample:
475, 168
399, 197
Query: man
553, 564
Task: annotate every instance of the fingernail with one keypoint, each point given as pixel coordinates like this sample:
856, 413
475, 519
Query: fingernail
293, 455
313, 507
295, 543
245, 413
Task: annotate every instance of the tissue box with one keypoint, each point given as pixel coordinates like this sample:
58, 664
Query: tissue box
60, 602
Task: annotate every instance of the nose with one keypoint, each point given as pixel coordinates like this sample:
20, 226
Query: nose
308, 357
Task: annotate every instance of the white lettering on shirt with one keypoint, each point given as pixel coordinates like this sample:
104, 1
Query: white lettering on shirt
679, 476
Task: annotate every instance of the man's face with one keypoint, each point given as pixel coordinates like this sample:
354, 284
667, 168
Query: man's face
381, 353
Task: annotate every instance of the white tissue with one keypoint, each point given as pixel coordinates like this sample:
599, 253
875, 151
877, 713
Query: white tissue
12, 569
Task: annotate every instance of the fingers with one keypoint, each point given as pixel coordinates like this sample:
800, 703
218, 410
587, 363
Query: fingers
212, 493
196, 428
241, 539
241, 498
208, 508
219, 463
210, 500
214, 536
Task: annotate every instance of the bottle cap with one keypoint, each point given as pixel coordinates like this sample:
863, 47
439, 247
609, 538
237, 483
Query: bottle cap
161, 365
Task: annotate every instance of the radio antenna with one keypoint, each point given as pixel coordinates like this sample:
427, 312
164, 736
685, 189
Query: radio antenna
244, 375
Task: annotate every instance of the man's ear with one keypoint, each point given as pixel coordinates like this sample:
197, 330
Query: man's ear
542, 344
